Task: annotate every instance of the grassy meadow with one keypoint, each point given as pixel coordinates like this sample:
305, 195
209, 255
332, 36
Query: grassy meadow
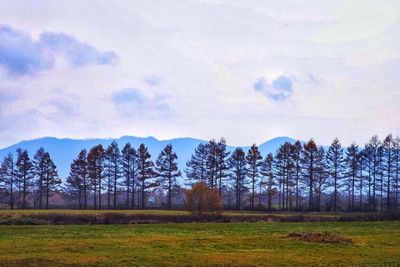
199, 244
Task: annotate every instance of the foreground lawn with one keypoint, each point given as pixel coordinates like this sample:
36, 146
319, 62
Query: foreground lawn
198, 244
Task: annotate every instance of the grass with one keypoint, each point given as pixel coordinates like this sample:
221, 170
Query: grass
199, 244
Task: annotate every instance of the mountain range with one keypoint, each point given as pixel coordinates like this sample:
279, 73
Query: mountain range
64, 150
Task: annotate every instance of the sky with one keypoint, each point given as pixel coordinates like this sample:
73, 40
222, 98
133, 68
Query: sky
247, 70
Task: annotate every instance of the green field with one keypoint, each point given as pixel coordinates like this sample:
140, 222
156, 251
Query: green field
198, 244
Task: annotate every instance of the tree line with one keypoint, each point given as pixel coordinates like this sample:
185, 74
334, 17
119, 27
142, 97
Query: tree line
298, 176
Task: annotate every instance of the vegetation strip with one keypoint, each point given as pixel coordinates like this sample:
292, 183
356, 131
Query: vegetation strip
141, 217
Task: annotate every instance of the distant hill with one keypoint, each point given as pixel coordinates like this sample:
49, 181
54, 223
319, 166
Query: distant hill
64, 150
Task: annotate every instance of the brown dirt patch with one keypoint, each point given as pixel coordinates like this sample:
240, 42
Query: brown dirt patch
320, 237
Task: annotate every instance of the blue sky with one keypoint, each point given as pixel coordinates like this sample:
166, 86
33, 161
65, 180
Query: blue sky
248, 71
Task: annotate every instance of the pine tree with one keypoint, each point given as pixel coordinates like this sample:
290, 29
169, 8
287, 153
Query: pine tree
222, 167
74, 183
368, 166
196, 167
296, 149
283, 169
321, 176
362, 162
335, 165
375, 156
130, 171
309, 169
145, 171
388, 165
381, 176
167, 171
113, 169
39, 171
351, 171
8, 177
51, 181
254, 160
212, 163
81, 163
267, 172
396, 146
25, 175
237, 165
95, 160
78, 180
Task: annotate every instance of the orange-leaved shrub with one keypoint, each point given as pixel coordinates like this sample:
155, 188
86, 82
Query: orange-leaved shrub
201, 200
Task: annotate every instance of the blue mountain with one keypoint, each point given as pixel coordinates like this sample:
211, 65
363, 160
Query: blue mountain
64, 150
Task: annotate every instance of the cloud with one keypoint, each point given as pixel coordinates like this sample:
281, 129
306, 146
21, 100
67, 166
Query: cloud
7, 96
20, 54
60, 105
133, 99
127, 95
152, 80
282, 83
260, 84
279, 89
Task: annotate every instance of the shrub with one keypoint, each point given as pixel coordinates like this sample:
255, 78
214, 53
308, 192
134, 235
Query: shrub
201, 200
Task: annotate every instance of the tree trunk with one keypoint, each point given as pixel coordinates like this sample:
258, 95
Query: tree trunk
143, 205
115, 186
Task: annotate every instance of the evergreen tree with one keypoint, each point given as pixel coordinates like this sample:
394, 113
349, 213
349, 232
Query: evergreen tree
222, 167
283, 169
95, 160
25, 176
196, 167
321, 176
74, 183
146, 172
296, 161
309, 154
368, 167
212, 163
51, 181
352, 170
396, 155
78, 183
39, 171
167, 171
388, 165
267, 172
381, 176
237, 164
254, 160
8, 177
362, 162
83, 173
130, 165
335, 165
374, 150
113, 169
